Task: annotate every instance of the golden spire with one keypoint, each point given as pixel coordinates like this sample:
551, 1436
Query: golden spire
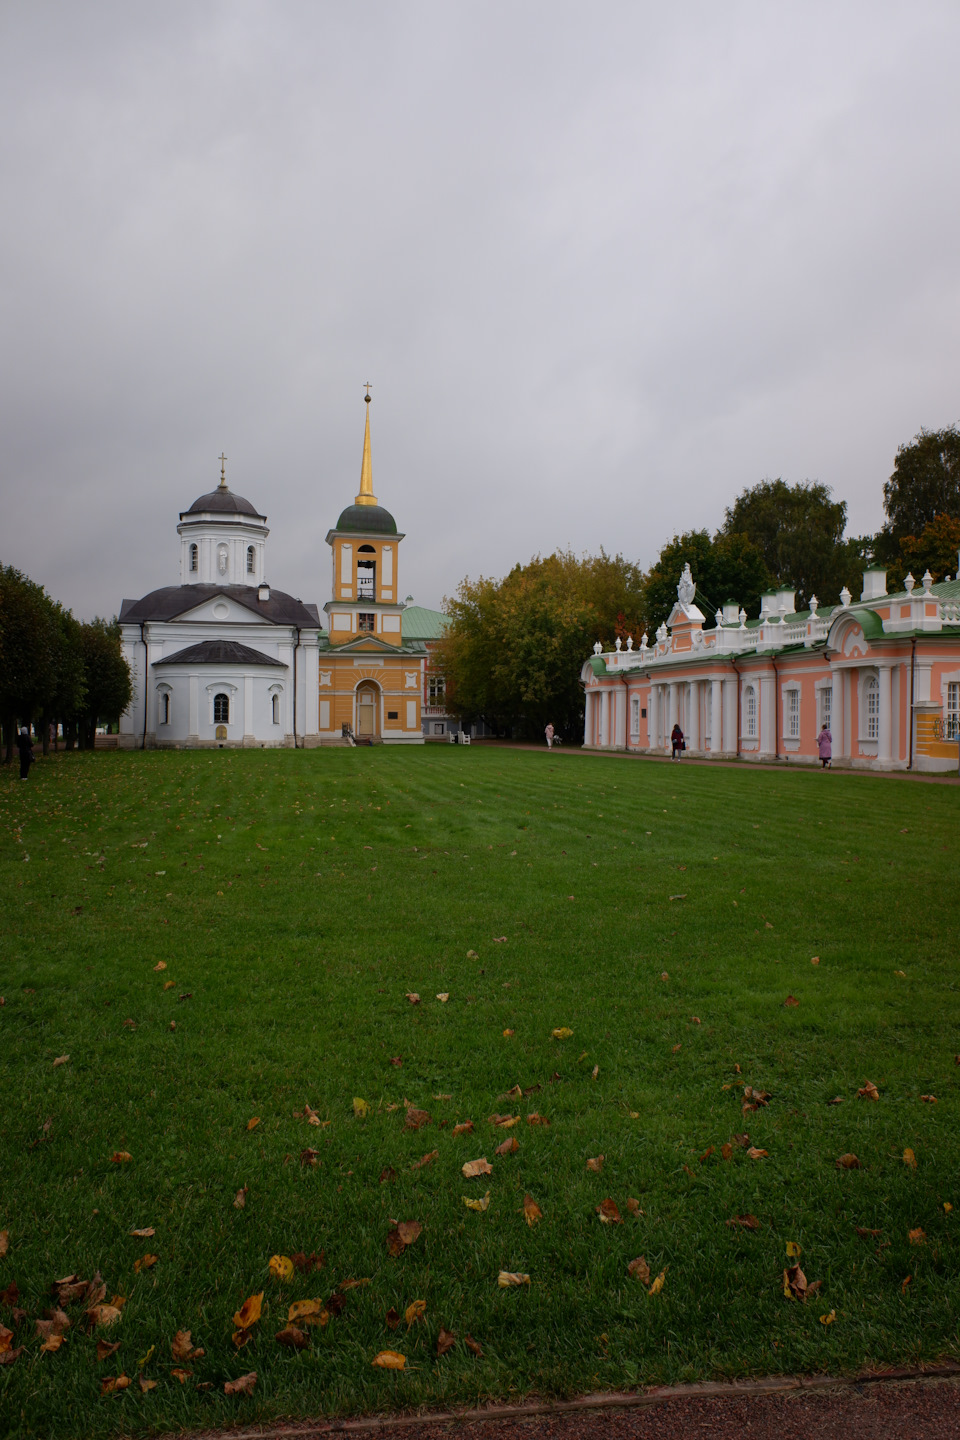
366, 496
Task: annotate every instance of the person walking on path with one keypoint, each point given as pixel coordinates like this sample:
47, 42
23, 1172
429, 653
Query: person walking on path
550, 732
825, 746
25, 746
676, 741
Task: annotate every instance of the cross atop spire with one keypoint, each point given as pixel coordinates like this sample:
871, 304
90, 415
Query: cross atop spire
366, 496
223, 471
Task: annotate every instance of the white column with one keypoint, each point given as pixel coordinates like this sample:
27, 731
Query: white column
587, 714
767, 716
608, 717
194, 728
621, 694
693, 715
653, 705
248, 735
671, 711
716, 715
884, 718
602, 718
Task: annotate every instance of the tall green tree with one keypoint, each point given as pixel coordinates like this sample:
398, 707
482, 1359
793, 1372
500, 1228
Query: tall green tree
727, 567
925, 483
798, 529
106, 678
29, 642
514, 648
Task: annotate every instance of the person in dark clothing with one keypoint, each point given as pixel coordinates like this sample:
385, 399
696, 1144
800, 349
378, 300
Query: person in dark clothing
25, 746
676, 740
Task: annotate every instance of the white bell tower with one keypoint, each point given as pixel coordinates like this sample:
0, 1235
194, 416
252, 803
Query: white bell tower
222, 539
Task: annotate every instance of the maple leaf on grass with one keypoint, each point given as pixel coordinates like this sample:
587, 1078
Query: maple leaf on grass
415, 1311
848, 1162
473, 1168
105, 1349
389, 1360
416, 1119
745, 1222
292, 1338
609, 1212
473, 1346
868, 1092
182, 1348
509, 1146
281, 1267
465, 1128
531, 1210
113, 1383
402, 1234
242, 1386
445, 1341
476, 1204
596, 1164
146, 1262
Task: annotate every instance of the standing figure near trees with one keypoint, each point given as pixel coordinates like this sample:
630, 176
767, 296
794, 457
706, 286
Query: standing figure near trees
549, 732
25, 746
677, 741
825, 746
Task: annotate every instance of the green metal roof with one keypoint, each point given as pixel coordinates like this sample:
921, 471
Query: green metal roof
419, 623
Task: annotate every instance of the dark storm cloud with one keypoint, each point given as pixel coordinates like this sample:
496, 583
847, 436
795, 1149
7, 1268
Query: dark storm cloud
605, 265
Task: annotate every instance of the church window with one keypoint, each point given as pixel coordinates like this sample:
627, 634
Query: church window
635, 717
367, 572
436, 688
792, 705
393, 714
276, 709
872, 698
366, 622
221, 709
165, 708
953, 710
750, 712
826, 705
194, 558
251, 560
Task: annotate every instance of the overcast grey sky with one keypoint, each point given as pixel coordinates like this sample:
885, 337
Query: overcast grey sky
605, 265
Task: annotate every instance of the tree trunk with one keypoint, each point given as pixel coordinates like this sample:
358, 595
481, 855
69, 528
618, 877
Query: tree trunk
45, 734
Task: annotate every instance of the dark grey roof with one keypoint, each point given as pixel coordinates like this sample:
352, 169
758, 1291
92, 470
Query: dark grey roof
220, 652
371, 519
175, 600
222, 501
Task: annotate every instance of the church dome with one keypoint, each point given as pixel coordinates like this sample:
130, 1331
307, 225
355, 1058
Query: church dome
223, 501
371, 519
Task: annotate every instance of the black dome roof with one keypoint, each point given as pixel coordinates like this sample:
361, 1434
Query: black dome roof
223, 500
372, 519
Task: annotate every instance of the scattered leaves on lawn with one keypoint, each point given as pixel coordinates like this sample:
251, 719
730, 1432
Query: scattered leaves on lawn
658, 1284
756, 1154
113, 1383
240, 1199
848, 1162
413, 997
562, 1033
292, 1338
473, 1168
791, 1000
794, 1283
145, 1384
145, 1233
508, 1033
60, 1060
917, 1237
121, 1157
507, 1278
308, 1158
476, 1204
794, 1251
181, 1346
445, 1341
904, 1283
929, 1099
401, 1235
246, 1317
531, 1210
103, 1315
639, 1269
281, 1267
464, 1128
909, 1158
609, 1212
392, 1318
868, 1234
52, 1343
4, 1241
106, 1348
869, 1091
311, 1312
537, 1119
426, 1160
443, 997
387, 1174
360, 1107
505, 1122
253, 1122
242, 1386
596, 1164
416, 1119
180, 1374
745, 1222
828, 1319
389, 1360
509, 1146
472, 1345
160, 965
415, 1311
146, 1262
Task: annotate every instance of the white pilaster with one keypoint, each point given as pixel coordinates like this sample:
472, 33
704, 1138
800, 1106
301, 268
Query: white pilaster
885, 717
716, 716
693, 715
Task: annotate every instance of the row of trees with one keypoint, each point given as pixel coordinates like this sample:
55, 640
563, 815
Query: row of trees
55, 670
514, 648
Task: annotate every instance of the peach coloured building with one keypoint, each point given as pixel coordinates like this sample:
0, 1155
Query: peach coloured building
883, 673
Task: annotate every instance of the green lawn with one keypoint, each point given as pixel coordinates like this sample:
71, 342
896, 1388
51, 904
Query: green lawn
297, 898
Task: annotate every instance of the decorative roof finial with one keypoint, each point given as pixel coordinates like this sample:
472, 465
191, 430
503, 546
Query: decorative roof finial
223, 471
366, 496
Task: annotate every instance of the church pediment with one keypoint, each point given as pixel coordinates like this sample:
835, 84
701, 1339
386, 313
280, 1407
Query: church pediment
224, 609
685, 615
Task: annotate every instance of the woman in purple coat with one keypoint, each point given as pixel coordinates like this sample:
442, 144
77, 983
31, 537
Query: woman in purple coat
825, 745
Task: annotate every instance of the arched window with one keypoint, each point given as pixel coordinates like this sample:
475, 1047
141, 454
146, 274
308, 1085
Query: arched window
872, 698
251, 560
221, 709
750, 712
194, 558
276, 709
165, 708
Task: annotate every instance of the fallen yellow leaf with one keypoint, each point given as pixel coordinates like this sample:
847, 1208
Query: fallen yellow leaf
793, 1250
60, 1060
252, 1124
506, 1278
249, 1312
281, 1267
909, 1158
415, 1311
389, 1360
360, 1108
121, 1157
444, 997
531, 1210
477, 1204
657, 1285
473, 1168
828, 1319
146, 1262
563, 1033
917, 1237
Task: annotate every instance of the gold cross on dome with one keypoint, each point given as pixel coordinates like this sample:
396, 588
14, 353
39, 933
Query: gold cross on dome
223, 469
368, 387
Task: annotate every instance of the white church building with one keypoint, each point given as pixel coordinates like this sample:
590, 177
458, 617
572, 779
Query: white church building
222, 659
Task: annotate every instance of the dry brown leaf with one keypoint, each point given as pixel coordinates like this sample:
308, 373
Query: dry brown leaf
472, 1345
308, 1158
473, 1168
52, 1342
60, 1060
464, 1128
253, 1123
145, 1233
633, 1206
658, 1284
281, 1267
401, 1235
387, 1174
392, 1318
930, 1099
537, 1119
904, 1283
249, 1312
791, 1000
103, 1315
292, 1338
160, 965
413, 997
609, 1212
756, 1154
508, 1033
4, 1241
508, 1278
146, 1262
444, 996
509, 1146
56, 1323
476, 1204
726, 1150
909, 1158
531, 1210
868, 1234
389, 1360
426, 1160
240, 1199
181, 1347
415, 1311
596, 1164
917, 1237
445, 1341
10, 1357
794, 1283
306, 1264
848, 1162
416, 1119
243, 1386
105, 1349
145, 1384
180, 1374
113, 1383
506, 1122
121, 1157
639, 1269
868, 1092
352, 1284
706, 1154
746, 1222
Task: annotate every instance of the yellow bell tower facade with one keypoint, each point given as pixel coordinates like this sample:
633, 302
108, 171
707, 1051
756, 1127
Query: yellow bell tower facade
371, 682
